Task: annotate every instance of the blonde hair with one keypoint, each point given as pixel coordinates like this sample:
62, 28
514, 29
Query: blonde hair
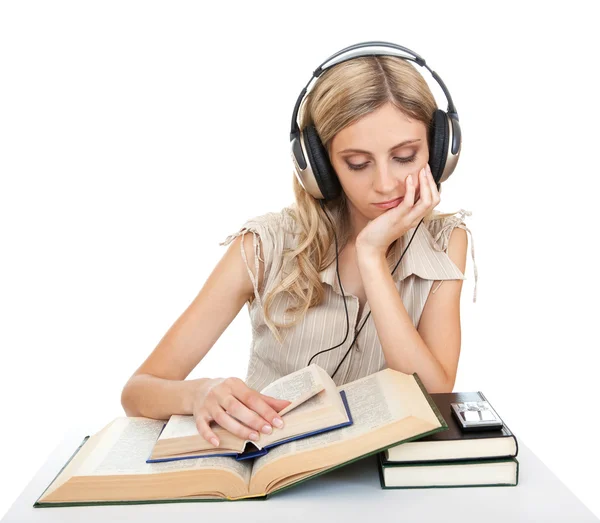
340, 96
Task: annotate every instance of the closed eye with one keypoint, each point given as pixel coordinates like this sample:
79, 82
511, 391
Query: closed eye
409, 159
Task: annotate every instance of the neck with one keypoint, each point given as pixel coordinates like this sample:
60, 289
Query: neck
357, 222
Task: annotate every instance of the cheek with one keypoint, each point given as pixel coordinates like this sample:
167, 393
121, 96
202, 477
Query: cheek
354, 184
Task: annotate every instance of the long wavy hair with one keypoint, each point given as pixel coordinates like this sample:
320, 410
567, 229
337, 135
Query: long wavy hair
341, 95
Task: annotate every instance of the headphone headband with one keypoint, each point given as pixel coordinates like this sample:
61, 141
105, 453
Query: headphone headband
366, 49
393, 47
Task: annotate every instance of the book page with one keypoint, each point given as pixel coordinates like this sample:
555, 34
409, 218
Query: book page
369, 407
183, 426
296, 387
296, 446
129, 444
180, 426
316, 402
242, 468
324, 409
272, 455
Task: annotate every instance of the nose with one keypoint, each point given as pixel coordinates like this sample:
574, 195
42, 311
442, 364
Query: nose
385, 182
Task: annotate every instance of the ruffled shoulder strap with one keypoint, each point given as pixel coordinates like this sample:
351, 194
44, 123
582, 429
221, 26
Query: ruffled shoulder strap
271, 228
441, 227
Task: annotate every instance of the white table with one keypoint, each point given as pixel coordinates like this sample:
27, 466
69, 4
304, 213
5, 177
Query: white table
351, 493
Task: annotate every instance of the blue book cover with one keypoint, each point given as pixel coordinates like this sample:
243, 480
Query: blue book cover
253, 452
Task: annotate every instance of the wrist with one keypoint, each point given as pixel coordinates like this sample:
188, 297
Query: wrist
195, 389
370, 260
368, 253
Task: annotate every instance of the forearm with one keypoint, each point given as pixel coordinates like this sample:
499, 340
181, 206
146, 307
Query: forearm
402, 345
159, 398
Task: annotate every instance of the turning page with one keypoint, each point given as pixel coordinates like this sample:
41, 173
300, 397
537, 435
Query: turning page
297, 387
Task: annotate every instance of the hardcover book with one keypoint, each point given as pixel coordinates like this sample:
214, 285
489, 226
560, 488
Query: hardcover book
110, 467
440, 474
316, 407
454, 444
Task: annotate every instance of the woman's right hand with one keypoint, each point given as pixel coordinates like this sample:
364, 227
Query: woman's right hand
222, 398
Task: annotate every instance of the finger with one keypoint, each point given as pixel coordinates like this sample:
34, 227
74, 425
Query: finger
426, 195
409, 197
203, 426
275, 406
267, 406
260, 404
276, 403
434, 190
244, 410
425, 198
232, 425
435, 195
416, 177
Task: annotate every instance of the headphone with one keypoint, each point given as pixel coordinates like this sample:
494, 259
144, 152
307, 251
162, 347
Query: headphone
311, 161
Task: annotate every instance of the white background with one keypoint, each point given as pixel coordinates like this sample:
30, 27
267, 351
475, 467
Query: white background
135, 136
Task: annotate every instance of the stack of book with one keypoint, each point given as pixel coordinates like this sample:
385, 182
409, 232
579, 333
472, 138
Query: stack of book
454, 457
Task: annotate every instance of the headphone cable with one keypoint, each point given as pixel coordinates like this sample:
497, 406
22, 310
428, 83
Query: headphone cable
337, 269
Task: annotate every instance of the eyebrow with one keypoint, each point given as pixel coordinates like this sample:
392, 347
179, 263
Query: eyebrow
405, 142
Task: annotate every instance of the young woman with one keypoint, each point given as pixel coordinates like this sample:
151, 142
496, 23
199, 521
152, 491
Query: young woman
373, 115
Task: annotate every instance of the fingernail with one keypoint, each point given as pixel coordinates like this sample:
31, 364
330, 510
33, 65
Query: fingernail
278, 422
215, 442
267, 429
254, 436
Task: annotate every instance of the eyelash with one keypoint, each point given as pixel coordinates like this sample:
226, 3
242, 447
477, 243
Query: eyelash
362, 166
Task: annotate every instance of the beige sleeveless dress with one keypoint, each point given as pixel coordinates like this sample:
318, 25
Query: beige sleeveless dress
325, 325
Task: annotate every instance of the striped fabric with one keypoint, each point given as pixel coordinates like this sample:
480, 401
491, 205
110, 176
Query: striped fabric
324, 326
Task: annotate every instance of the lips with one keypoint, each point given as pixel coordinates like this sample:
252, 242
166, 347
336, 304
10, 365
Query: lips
390, 205
389, 201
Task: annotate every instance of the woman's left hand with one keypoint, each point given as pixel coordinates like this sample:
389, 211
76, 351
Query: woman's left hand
379, 233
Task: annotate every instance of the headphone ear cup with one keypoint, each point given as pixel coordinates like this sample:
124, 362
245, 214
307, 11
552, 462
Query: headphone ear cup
322, 169
438, 139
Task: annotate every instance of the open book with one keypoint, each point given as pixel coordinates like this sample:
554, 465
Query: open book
387, 408
316, 406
